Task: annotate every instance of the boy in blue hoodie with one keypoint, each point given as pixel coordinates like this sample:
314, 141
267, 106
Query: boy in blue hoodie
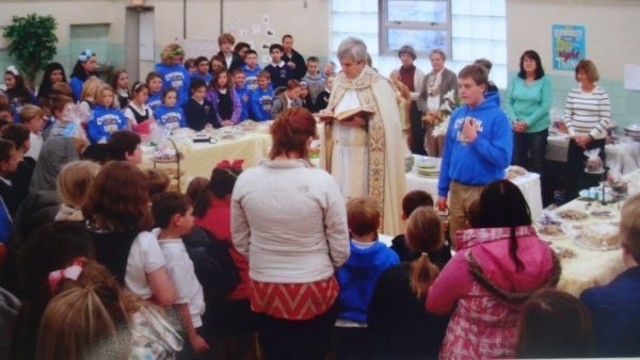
478, 146
251, 69
358, 277
242, 92
262, 98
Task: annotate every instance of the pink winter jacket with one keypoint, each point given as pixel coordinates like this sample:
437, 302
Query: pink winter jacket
485, 292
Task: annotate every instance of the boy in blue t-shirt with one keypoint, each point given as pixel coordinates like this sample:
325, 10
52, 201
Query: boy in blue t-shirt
262, 98
251, 70
369, 258
242, 92
280, 72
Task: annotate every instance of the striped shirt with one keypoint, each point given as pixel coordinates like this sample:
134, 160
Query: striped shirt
588, 112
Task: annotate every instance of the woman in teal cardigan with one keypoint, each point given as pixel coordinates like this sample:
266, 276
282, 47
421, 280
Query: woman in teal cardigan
528, 103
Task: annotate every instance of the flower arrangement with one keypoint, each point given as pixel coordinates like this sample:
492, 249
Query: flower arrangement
441, 120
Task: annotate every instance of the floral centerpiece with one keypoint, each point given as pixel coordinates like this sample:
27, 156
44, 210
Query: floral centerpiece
441, 120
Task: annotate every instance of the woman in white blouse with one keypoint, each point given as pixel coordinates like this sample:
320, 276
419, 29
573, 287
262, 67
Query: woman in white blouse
587, 116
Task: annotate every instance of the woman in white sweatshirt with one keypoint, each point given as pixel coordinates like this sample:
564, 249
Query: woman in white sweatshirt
289, 219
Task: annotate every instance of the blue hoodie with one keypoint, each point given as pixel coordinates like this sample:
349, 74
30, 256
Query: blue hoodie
244, 95
260, 103
484, 160
358, 277
251, 76
170, 117
206, 77
104, 122
177, 77
154, 101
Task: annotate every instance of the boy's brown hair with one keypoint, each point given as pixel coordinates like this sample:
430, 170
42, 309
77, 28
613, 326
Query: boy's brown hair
264, 74
157, 181
363, 216
168, 204
30, 112
414, 199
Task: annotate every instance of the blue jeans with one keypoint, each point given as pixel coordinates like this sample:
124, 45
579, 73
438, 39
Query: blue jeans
529, 150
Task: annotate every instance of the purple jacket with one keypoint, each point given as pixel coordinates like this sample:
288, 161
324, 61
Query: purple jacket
212, 95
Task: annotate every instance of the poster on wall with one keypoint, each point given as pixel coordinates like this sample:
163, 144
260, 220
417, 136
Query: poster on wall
569, 47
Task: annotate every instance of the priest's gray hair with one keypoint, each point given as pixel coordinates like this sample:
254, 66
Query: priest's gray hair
352, 48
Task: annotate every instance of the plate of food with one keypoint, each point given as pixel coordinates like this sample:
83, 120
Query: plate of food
572, 215
552, 231
599, 237
563, 253
603, 214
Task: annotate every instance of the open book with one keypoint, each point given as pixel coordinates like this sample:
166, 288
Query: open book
348, 114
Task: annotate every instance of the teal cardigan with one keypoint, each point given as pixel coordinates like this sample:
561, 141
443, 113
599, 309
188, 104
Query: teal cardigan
530, 103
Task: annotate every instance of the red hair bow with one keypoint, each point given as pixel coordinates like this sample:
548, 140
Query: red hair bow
225, 164
71, 272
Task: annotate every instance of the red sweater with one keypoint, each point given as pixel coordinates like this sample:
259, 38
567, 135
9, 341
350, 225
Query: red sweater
217, 220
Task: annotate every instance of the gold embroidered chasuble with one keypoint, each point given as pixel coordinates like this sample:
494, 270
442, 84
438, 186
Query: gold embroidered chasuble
386, 177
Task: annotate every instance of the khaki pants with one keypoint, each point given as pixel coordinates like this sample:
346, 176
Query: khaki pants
460, 197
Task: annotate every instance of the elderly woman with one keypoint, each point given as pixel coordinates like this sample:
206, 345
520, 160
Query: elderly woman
587, 115
412, 77
435, 86
364, 153
290, 221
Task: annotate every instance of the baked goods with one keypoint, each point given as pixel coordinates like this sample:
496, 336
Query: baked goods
552, 231
514, 171
602, 214
574, 215
563, 253
602, 236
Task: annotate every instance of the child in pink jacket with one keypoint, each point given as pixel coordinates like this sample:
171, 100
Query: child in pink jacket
498, 266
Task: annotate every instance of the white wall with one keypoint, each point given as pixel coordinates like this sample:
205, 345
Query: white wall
306, 20
612, 30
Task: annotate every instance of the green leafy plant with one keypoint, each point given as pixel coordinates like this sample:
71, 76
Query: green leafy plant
33, 42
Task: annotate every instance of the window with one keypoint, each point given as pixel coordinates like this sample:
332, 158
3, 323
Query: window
465, 29
423, 24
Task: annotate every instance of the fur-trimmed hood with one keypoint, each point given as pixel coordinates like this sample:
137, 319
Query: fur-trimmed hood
491, 265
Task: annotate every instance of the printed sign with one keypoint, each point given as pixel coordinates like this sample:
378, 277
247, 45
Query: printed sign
568, 43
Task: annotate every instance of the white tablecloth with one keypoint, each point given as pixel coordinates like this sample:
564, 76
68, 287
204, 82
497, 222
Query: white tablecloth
529, 185
591, 268
625, 154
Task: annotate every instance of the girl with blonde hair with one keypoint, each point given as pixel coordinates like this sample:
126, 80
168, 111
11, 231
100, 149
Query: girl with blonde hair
91, 316
173, 73
73, 183
400, 325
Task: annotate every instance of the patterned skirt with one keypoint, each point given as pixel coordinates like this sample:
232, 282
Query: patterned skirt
302, 301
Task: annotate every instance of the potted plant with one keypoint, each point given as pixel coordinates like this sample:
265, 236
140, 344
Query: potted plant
32, 42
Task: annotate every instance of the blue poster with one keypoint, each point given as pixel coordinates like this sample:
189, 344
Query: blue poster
568, 46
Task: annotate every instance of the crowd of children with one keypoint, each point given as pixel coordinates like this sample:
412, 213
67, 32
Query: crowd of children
199, 93
104, 261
